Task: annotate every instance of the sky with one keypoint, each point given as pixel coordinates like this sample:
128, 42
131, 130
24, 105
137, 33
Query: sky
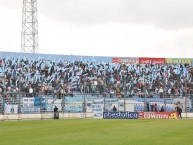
122, 28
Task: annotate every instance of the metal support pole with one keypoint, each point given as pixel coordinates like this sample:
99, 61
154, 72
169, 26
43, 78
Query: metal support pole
185, 97
144, 93
84, 103
104, 84
124, 93
19, 109
4, 93
41, 93
63, 98
164, 93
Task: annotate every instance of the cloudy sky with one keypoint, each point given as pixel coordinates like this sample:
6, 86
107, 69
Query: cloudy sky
130, 28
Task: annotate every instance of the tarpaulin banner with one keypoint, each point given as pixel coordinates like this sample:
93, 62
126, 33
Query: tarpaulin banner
178, 61
73, 104
10, 109
120, 115
158, 115
97, 109
51, 103
125, 60
146, 60
128, 106
28, 105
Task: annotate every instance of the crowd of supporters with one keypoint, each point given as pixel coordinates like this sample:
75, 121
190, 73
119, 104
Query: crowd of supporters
48, 77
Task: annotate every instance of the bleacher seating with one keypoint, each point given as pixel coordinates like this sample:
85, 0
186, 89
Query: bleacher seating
59, 77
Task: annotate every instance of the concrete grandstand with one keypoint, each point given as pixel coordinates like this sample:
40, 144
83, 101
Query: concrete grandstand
137, 84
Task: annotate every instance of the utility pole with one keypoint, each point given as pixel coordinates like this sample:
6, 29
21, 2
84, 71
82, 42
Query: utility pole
29, 34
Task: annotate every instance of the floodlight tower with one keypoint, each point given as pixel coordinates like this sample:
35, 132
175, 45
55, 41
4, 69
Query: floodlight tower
29, 35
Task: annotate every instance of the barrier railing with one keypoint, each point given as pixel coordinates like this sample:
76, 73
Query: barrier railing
23, 103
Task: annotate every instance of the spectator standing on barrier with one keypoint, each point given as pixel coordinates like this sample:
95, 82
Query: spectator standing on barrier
179, 110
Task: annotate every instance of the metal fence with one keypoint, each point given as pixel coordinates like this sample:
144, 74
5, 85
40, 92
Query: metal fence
25, 103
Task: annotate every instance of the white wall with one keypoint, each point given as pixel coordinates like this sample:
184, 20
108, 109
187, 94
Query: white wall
62, 116
45, 116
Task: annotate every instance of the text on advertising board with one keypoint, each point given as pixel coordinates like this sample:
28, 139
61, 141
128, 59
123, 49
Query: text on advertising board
151, 60
125, 60
120, 115
158, 115
178, 61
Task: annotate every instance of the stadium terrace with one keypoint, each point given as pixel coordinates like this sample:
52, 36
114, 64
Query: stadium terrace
57, 76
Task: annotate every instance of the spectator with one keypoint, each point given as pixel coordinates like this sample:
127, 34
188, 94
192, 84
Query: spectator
162, 109
31, 91
179, 110
147, 106
155, 107
55, 109
114, 108
152, 108
161, 92
45, 76
111, 93
56, 113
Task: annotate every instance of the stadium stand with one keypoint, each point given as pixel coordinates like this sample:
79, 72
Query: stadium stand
59, 77
33, 76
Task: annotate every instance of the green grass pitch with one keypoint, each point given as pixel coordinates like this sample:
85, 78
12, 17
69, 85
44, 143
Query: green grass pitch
97, 132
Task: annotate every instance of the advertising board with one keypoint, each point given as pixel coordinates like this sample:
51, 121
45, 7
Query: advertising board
120, 115
178, 61
125, 60
146, 60
158, 115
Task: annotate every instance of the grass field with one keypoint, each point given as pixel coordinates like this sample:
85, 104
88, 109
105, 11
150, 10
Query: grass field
97, 132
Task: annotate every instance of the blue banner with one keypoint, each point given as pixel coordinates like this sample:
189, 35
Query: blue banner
120, 115
39, 101
73, 104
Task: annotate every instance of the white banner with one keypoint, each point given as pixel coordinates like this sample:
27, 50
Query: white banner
110, 103
10, 109
129, 105
28, 105
51, 103
180, 103
97, 109
89, 106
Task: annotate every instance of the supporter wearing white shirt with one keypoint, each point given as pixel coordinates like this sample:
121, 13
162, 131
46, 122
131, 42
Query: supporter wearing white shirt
31, 91
161, 92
